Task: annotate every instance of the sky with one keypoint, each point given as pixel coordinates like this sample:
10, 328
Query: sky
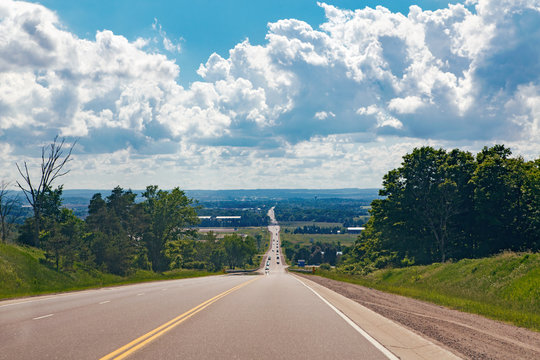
250, 94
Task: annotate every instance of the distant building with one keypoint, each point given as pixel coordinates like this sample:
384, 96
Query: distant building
355, 230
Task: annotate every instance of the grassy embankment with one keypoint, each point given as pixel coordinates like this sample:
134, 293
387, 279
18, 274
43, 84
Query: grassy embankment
505, 287
22, 274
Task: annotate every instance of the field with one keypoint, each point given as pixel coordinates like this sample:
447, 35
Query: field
291, 225
307, 239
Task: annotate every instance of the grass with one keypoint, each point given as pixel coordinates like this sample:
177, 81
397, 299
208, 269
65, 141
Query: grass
22, 274
291, 225
505, 287
304, 239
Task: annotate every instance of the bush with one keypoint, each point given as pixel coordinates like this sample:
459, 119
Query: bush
325, 266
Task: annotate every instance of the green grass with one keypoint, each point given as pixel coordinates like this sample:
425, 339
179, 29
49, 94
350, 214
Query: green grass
304, 239
22, 274
505, 287
291, 225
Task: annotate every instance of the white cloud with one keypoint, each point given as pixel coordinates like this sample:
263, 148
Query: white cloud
310, 98
323, 115
407, 105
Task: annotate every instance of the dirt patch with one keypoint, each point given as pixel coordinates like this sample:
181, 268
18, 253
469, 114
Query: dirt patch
466, 335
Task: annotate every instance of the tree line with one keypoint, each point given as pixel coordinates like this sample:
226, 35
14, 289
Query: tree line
440, 205
348, 212
120, 233
315, 229
316, 253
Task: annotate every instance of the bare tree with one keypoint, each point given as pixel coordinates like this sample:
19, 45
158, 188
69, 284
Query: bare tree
6, 207
53, 160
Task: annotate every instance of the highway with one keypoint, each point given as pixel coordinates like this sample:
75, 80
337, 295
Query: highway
269, 316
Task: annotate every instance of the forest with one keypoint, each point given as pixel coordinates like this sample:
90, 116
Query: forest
349, 212
444, 205
120, 235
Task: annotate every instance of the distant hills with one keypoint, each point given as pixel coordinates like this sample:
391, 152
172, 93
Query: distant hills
84, 195
78, 199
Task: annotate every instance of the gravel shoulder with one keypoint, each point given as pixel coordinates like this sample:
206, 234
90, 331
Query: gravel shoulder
467, 335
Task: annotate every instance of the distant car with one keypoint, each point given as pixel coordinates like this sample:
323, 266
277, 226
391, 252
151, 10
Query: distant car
278, 262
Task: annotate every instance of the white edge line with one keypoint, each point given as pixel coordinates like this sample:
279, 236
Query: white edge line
374, 342
42, 317
104, 302
25, 302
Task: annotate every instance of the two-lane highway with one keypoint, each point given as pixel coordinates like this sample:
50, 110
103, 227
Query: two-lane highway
219, 317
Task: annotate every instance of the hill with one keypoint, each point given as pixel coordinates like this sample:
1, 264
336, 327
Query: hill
504, 287
22, 274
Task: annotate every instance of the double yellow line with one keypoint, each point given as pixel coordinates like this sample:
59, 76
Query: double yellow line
138, 343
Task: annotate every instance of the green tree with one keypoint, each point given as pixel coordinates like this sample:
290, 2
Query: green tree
506, 200
62, 240
179, 252
238, 251
171, 217
117, 225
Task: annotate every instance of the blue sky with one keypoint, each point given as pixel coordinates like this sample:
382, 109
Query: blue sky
251, 94
204, 26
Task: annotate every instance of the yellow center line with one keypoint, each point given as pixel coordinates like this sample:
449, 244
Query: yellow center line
141, 341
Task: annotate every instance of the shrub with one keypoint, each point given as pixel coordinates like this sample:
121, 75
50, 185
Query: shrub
325, 266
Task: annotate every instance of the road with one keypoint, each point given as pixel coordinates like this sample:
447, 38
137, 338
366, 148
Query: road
270, 316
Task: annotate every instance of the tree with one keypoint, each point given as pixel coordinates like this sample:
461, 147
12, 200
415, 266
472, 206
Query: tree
258, 239
238, 251
6, 208
531, 205
53, 159
420, 217
506, 200
171, 217
63, 239
117, 228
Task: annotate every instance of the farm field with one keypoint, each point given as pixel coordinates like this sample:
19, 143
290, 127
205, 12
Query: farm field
307, 239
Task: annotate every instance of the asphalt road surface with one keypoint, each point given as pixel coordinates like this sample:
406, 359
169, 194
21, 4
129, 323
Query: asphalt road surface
269, 316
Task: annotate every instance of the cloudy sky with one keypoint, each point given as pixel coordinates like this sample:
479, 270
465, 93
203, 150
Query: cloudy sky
278, 94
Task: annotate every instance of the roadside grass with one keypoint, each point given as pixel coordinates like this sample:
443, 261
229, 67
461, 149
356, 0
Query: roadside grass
22, 274
305, 239
504, 287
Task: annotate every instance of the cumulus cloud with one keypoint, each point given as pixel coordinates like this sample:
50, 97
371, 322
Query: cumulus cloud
466, 74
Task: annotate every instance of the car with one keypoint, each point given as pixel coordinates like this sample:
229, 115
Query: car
278, 262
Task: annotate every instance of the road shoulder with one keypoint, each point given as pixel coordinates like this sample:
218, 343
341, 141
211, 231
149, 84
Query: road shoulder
402, 342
